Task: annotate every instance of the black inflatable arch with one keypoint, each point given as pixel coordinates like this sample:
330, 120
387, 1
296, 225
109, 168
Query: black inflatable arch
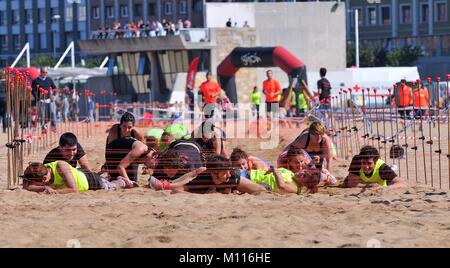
250, 57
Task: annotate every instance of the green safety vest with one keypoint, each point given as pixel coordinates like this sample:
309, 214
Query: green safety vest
80, 179
375, 178
301, 97
255, 97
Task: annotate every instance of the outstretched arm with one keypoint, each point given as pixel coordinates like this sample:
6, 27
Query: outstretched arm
248, 186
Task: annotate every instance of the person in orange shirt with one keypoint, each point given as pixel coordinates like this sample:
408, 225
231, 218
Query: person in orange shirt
272, 90
404, 99
210, 90
421, 101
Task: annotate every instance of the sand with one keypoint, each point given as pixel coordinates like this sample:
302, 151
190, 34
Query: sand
334, 217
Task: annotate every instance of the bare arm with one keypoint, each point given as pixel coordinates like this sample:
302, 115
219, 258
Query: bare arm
139, 135
248, 186
63, 169
137, 150
84, 163
112, 135
282, 185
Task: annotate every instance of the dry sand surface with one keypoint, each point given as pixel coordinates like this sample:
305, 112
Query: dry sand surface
141, 217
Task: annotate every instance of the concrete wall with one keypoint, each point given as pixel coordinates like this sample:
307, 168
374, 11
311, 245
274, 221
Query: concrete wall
313, 31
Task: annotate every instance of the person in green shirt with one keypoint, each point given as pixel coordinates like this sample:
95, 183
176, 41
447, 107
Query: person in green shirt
61, 178
255, 97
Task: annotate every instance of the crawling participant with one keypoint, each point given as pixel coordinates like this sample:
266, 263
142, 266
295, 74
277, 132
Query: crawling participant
367, 169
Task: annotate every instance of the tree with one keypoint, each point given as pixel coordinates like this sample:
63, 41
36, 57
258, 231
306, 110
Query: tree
405, 56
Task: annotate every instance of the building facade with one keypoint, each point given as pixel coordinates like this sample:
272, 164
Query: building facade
48, 26
396, 23
104, 13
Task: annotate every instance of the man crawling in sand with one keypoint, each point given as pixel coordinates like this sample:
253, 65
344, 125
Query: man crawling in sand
368, 170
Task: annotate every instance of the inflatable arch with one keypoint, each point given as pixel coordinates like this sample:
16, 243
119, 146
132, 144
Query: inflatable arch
251, 57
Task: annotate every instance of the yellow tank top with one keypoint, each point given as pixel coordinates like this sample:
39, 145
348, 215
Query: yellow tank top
80, 179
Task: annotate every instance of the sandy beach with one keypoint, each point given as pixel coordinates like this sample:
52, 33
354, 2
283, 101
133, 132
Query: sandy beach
141, 217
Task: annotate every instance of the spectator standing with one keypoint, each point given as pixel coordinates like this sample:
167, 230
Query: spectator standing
324, 90
272, 90
229, 23
46, 83
404, 95
210, 90
187, 24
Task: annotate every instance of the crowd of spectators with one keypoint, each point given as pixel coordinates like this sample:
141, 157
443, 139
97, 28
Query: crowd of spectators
140, 29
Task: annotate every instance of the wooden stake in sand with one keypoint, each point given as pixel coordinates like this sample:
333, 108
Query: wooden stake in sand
439, 150
430, 142
354, 128
397, 130
366, 129
391, 122
376, 119
414, 134
384, 141
448, 124
422, 138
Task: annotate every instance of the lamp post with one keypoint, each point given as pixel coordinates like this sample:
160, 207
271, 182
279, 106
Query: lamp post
357, 38
55, 18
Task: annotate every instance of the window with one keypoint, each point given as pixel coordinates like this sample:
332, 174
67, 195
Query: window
30, 40
28, 16
16, 41
54, 11
424, 12
41, 15
2, 17
138, 10
183, 9
168, 8
124, 11
15, 17
385, 15
69, 14
43, 41
81, 13
110, 12
441, 12
96, 13
152, 9
360, 17
3, 41
405, 14
371, 16
198, 6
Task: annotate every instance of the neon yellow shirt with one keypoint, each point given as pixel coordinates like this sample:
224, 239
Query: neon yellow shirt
80, 179
375, 178
260, 176
255, 97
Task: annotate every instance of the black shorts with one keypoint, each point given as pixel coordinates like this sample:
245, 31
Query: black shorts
204, 184
94, 180
269, 107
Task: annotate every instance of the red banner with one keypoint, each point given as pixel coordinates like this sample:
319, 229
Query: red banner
192, 72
